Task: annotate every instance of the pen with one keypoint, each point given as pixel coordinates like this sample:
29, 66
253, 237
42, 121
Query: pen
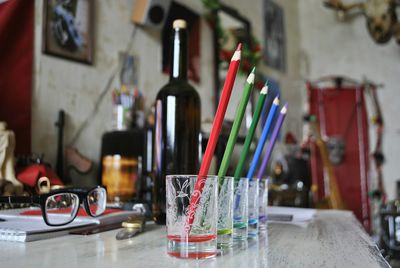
279, 217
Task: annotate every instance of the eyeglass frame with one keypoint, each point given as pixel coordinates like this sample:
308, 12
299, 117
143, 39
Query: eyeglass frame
42, 198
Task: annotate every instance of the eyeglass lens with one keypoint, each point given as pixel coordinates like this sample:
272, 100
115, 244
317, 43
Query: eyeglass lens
61, 208
97, 199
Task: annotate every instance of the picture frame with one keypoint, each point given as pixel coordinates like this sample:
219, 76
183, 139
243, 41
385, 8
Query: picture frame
274, 53
68, 29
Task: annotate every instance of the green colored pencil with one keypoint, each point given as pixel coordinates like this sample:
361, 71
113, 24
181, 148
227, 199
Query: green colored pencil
248, 86
252, 130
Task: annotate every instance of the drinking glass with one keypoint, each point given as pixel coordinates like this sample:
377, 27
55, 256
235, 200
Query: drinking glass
198, 239
225, 212
253, 207
240, 208
263, 203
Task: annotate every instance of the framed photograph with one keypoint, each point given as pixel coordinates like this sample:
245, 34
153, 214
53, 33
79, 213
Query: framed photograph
68, 29
274, 33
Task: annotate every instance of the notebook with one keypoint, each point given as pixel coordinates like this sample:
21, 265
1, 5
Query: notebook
25, 225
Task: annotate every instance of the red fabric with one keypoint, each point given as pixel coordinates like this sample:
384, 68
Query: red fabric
32, 173
16, 53
336, 111
81, 212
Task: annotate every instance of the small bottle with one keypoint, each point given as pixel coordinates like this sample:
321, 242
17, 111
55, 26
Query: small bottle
177, 123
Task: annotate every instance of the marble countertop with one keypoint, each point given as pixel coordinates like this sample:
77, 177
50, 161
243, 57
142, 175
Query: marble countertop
332, 239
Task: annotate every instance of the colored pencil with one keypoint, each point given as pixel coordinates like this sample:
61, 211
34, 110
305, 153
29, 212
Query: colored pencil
249, 137
272, 141
263, 138
248, 86
213, 139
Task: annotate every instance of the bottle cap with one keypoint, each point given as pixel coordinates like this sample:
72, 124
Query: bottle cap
179, 24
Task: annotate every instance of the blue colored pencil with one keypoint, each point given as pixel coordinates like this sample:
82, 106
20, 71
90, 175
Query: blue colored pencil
263, 138
271, 144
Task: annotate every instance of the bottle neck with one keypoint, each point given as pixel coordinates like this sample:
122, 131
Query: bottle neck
179, 55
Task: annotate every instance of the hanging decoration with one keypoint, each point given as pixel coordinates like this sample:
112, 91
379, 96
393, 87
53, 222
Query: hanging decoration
382, 22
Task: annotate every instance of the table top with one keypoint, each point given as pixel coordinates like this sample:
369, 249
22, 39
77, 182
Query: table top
333, 239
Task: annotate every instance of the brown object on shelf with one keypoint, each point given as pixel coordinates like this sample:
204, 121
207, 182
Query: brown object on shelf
150, 13
120, 175
122, 163
76, 160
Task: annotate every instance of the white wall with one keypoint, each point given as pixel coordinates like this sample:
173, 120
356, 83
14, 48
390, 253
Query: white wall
74, 87
317, 45
330, 47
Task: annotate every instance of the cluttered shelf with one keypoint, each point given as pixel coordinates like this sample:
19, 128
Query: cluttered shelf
330, 239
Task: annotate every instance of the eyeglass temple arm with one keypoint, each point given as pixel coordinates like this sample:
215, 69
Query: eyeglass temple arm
18, 199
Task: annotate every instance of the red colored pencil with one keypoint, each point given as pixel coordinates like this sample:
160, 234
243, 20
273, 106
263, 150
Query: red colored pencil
212, 141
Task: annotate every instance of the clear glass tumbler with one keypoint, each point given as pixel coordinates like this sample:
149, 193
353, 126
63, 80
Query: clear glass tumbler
240, 209
253, 207
263, 203
225, 212
198, 239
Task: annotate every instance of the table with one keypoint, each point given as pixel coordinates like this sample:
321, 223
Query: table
333, 239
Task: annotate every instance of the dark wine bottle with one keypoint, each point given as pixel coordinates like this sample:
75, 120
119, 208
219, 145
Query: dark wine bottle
177, 123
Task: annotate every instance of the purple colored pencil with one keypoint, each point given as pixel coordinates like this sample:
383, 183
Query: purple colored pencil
272, 141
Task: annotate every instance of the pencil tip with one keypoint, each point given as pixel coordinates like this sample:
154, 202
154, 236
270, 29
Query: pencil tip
276, 101
237, 54
264, 90
250, 78
253, 70
284, 109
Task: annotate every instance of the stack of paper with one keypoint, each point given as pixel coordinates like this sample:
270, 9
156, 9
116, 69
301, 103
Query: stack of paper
15, 225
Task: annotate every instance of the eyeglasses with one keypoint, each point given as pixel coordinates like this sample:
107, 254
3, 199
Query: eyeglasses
61, 206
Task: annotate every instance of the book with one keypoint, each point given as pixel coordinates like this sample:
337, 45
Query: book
25, 225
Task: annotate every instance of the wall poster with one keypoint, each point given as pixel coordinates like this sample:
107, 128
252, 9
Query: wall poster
274, 53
